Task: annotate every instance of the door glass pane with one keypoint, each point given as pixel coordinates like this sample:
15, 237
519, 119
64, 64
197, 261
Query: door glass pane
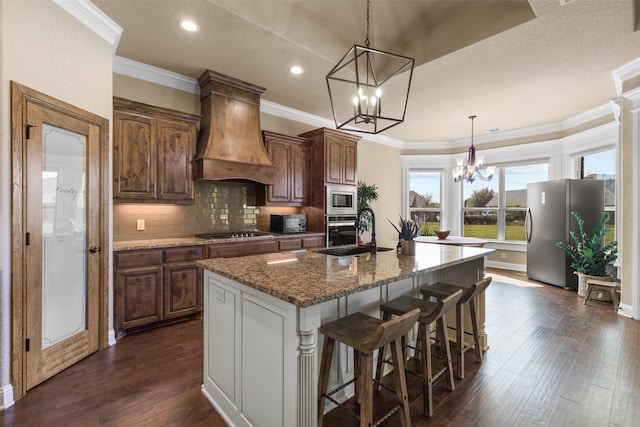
63, 235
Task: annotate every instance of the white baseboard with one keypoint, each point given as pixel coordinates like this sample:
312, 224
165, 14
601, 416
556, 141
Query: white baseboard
506, 266
6, 397
111, 337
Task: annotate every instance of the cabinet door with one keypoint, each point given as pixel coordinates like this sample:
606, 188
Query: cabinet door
175, 153
350, 153
333, 160
301, 174
138, 297
134, 156
280, 191
182, 290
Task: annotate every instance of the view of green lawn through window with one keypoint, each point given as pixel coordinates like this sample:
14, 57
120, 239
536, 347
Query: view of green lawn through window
490, 214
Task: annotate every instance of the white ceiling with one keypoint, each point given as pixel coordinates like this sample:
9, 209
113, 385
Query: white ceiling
513, 63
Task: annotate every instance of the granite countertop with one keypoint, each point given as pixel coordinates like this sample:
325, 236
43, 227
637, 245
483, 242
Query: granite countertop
130, 245
306, 278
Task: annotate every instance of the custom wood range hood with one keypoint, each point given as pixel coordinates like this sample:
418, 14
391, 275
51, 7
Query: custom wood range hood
230, 144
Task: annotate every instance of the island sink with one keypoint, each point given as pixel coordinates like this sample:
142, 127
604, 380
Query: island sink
349, 250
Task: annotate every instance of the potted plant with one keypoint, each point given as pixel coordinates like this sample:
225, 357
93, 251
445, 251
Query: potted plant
366, 194
589, 255
407, 232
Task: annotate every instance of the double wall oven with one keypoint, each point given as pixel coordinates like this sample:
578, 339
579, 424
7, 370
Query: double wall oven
341, 209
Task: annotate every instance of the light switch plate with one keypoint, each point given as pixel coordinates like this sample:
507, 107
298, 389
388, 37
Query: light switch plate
140, 224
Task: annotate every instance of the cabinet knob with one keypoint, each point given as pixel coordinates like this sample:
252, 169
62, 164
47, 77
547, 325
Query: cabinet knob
94, 249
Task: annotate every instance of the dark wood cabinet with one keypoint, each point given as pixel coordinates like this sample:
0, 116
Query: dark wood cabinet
336, 153
335, 161
291, 157
153, 150
301, 242
155, 286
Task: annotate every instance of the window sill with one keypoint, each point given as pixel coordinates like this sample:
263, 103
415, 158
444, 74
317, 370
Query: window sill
507, 245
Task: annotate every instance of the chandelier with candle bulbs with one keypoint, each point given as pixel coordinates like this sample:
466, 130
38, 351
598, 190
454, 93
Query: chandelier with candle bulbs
360, 80
474, 166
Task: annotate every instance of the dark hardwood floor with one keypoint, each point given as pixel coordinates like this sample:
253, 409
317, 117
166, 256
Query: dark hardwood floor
552, 361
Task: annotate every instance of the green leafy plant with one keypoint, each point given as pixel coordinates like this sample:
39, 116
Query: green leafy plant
366, 194
408, 229
589, 255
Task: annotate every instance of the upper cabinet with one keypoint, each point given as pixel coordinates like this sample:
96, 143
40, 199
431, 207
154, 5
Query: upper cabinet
291, 157
336, 152
153, 151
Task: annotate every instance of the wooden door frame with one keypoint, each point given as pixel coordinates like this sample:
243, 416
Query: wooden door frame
20, 96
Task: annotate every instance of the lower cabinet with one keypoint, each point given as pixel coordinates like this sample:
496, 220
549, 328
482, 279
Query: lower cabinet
156, 286
253, 376
304, 242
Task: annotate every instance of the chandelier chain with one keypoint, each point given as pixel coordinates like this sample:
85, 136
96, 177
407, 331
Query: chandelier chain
366, 41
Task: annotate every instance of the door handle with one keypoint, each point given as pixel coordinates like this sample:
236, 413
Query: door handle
94, 249
528, 225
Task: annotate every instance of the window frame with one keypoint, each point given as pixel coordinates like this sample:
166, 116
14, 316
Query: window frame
501, 210
409, 209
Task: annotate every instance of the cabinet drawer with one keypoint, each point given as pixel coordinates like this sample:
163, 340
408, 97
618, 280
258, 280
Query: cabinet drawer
242, 248
313, 242
137, 258
188, 253
289, 244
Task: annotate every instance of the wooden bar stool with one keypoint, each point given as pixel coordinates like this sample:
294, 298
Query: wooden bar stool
429, 313
469, 295
611, 287
366, 334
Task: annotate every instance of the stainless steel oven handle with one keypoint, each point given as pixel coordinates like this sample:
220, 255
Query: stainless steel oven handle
341, 224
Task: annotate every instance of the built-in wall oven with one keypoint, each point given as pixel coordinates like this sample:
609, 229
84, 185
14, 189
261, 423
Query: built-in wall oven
341, 230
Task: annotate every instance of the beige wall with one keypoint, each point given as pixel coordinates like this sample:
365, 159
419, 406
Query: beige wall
510, 257
380, 165
44, 48
155, 94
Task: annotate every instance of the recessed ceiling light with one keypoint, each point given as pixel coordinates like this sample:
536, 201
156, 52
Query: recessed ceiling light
296, 69
188, 25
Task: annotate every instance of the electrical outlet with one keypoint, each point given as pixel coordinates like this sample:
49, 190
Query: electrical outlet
140, 225
503, 255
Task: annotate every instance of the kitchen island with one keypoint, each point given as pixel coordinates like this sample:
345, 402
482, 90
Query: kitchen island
262, 313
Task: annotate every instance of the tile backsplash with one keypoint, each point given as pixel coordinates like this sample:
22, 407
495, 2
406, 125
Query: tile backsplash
218, 206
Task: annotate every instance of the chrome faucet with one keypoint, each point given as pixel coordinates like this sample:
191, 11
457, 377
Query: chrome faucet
372, 245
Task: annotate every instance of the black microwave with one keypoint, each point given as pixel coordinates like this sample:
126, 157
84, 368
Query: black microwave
288, 224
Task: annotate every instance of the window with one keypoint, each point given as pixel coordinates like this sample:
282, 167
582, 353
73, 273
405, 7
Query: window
496, 209
602, 166
424, 199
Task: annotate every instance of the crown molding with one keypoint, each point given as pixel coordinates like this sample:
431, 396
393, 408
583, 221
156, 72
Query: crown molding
625, 72
149, 73
95, 19
173, 80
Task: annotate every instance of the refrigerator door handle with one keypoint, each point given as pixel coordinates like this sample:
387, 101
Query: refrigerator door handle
528, 225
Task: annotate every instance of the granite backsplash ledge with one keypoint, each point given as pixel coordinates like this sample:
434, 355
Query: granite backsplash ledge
218, 206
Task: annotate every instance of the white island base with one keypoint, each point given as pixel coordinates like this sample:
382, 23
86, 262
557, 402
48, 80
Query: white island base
261, 353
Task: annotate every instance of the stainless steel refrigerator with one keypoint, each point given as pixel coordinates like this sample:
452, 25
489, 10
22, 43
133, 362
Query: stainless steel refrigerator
549, 220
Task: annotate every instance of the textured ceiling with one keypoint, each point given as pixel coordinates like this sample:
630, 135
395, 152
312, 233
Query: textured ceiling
513, 63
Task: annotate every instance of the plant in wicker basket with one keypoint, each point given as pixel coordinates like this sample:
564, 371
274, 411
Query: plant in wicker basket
589, 255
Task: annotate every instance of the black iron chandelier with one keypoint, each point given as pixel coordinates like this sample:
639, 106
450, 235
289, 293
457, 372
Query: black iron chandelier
359, 83
472, 169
